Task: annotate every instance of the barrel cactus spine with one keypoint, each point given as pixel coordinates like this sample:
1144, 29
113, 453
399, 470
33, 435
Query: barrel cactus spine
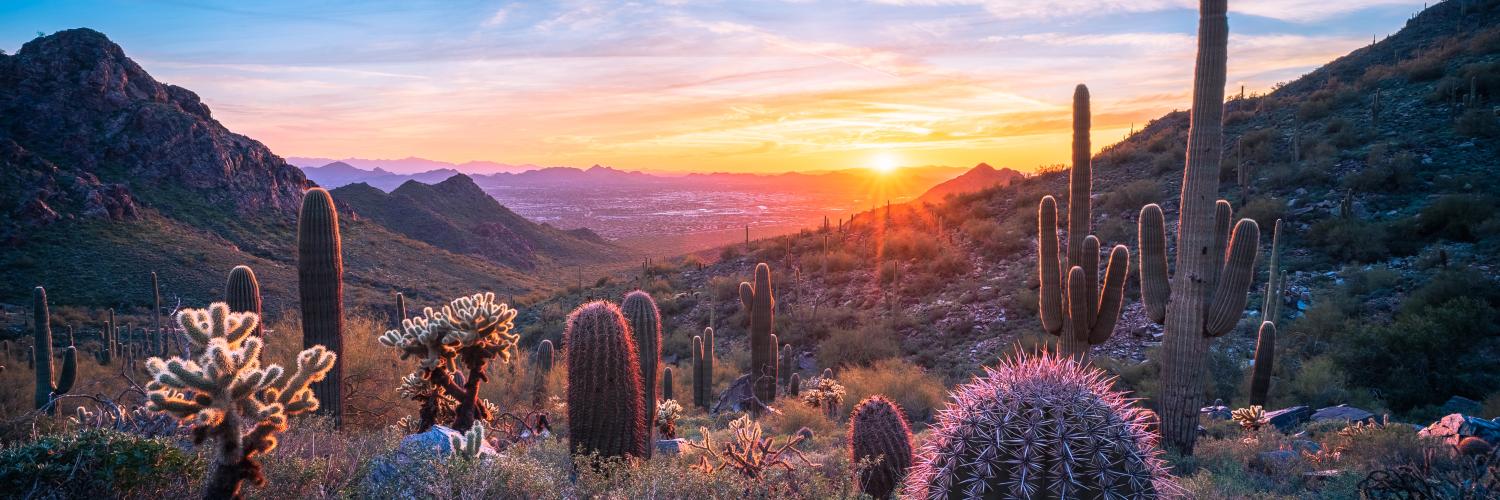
41, 346
760, 305
1042, 426
645, 325
242, 293
1072, 304
604, 384
878, 433
1216, 264
320, 279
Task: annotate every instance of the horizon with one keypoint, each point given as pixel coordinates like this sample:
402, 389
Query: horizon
673, 87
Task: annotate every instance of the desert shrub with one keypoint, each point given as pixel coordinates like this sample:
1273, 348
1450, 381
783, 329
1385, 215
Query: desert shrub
94, 461
1484, 76
1167, 161
1315, 107
909, 245
1258, 146
1478, 123
1319, 382
858, 346
917, 392
1132, 196
1491, 406
1455, 217
950, 263
724, 288
1412, 361
796, 415
1349, 240
836, 261
1426, 67
1264, 211
1451, 285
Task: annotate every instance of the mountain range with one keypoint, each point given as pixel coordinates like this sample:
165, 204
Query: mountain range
981, 177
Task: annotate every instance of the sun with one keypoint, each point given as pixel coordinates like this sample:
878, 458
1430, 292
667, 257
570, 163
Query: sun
885, 162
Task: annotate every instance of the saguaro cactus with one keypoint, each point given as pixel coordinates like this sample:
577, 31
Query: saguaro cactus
878, 432
785, 366
604, 384
1210, 297
242, 293
320, 280
645, 325
158, 340
107, 336
666, 384
41, 347
1265, 359
758, 301
710, 357
1270, 308
698, 378
1078, 310
400, 307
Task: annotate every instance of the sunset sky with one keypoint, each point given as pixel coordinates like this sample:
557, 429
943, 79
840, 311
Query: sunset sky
685, 85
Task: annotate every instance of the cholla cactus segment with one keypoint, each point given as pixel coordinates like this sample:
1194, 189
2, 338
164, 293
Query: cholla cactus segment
823, 392
471, 444
473, 330
226, 388
477, 320
667, 413
748, 452
1040, 426
1251, 418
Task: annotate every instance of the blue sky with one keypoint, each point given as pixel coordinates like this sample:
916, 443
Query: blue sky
698, 85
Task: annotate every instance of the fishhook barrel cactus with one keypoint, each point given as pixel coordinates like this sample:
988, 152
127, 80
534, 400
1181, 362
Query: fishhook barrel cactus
605, 413
878, 433
320, 283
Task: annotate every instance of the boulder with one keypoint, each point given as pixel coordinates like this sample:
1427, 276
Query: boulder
1343, 412
1274, 462
1288, 418
405, 473
668, 447
437, 441
1217, 411
1460, 404
1453, 428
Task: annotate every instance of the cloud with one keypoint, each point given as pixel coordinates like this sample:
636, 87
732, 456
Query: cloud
1301, 11
499, 17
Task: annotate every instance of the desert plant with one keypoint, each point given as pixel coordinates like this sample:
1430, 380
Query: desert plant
1250, 419
645, 324
107, 338
794, 387
471, 331
544, 353
698, 379
242, 293
878, 434
1210, 297
667, 413
604, 384
1040, 426
826, 393
666, 383
784, 366
761, 307
748, 451
1265, 359
1078, 311
41, 347
320, 283
470, 445
1275, 281
227, 388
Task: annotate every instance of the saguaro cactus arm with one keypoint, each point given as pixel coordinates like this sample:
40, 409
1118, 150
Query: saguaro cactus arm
1231, 291
1049, 270
1112, 297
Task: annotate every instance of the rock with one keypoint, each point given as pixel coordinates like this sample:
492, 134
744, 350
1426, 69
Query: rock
1217, 411
1460, 404
670, 447
1287, 418
1309, 446
1343, 412
405, 473
436, 441
1474, 447
1274, 462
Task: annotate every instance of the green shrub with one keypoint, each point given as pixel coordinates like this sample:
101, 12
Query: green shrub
1132, 196
1414, 362
1351, 239
919, 393
1455, 217
93, 462
858, 346
1478, 123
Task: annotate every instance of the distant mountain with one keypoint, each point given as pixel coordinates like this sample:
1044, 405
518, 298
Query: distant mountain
107, 175
340, 173
979, 178
456, 215
412, 164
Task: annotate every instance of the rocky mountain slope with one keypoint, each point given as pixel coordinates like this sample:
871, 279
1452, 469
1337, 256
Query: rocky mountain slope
109, 174
979, 178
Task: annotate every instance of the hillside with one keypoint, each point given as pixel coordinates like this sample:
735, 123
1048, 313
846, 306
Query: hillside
979, 178
109, 174
457, 216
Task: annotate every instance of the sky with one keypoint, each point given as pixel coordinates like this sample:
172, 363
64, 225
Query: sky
689, 85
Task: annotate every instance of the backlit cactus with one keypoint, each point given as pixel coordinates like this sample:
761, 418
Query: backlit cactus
645, 325
470, 445
710, 357
1043, 426
666, 383
1071, 303
605, 413
227, 389
760, 306
400, 307
41, 348
878, 433
242, 293
466, 334
544, 353
698, 378
320, 280
785, 366
1214, 267
1265, 359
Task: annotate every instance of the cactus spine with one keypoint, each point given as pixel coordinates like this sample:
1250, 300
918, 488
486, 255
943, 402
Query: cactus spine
1265, 358
757, 300
604, 384
242, 293
1210, 296
878, 432
1077, 309
46, 389
645, 324
320, 280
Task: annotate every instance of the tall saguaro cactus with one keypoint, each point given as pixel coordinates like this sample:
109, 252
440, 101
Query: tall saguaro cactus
320, 280
1214, 279
107, 354
1270, 308
1077, 309
604, 384
1265, 359
758, 301
645, 324
698, 379
158, 340
41, 349
242, 293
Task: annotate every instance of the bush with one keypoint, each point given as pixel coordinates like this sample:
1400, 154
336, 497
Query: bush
1264, 211
1478, 123
97, 461
1417, 360
1349, 240
858, 346
1132, 196
918, 392
910, 245
1455, 217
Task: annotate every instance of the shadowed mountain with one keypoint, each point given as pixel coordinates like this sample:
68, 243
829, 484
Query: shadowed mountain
979, 178
458, 216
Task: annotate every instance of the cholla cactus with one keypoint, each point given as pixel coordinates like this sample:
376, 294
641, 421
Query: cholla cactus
471, 444
824, 392
226, 389
667, 413
469, 331
749, 452
1042, 426
1251, 419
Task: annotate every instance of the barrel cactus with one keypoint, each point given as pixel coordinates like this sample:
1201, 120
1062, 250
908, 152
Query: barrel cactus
320, 280
544, 356
645, 325
761, 306
1042, 426
1078, 310
878, 434
242, 293
1216, 265
605, 414
41, 346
